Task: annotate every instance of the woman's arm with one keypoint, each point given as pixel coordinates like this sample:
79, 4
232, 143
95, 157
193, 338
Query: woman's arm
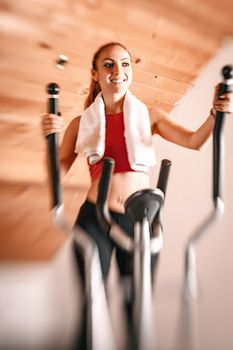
170, 130
66, 151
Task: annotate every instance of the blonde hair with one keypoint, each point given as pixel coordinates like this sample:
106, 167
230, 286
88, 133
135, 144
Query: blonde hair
94, 87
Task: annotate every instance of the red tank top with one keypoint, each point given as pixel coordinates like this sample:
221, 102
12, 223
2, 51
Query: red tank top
115, 146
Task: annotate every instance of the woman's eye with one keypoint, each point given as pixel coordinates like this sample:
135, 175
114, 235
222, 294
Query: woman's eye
108, 65
111, 64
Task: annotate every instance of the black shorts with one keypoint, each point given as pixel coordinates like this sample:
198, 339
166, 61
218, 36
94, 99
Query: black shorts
88, 221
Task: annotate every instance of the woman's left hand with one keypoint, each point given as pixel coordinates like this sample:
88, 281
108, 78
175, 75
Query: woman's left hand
223, 103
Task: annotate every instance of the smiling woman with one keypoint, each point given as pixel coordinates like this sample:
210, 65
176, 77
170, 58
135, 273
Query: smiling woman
118, 125
113, 70
103, 63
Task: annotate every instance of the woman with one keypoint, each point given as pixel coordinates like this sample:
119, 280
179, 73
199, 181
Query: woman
111, 74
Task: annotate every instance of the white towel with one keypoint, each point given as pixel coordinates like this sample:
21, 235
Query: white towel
91, 135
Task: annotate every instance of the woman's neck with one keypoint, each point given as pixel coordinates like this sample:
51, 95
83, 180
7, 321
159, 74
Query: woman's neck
113, 104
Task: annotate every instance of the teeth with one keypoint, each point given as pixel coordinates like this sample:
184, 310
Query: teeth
117, 81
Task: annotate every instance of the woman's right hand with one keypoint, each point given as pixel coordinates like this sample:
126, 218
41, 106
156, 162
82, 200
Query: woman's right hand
51, 123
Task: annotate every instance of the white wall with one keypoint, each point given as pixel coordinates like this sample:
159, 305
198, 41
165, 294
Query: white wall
189, 201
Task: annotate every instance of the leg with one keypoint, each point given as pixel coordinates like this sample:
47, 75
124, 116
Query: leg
87, 220
124, 259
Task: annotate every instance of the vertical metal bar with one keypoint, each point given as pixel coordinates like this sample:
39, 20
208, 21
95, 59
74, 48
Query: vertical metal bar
225, 86
53, 144
191, 286
163, 175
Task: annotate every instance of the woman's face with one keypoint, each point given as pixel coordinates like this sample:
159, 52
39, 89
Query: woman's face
114, 70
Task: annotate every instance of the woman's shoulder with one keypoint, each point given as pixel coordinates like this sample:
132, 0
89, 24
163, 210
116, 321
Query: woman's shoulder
75, 121
156, 114
73, 126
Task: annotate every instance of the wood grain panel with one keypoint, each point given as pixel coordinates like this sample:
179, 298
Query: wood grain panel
27, 230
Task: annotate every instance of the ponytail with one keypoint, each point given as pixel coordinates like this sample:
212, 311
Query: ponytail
94, 90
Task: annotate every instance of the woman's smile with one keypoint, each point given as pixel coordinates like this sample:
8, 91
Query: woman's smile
117, 81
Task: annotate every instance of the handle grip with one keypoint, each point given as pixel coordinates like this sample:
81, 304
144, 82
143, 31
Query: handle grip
103, 190
53, 144
163, 175
225, 86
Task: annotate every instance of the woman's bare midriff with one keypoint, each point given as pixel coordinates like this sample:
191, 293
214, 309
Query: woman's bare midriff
122, 186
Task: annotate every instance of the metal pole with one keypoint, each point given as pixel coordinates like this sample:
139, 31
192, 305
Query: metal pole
191, 285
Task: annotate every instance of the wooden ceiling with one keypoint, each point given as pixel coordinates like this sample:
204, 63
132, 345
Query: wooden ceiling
170, 41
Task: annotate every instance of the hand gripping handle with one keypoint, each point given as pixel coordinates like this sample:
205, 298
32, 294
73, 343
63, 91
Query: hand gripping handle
53, 144
225, 86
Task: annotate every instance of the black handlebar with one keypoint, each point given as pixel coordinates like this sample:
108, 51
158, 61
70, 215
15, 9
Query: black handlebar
163, 175
102, 211
225, 86
53, 143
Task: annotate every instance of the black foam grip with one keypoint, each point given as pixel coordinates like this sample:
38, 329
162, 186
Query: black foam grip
217, 135
164, 174
103, 190
53, 145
